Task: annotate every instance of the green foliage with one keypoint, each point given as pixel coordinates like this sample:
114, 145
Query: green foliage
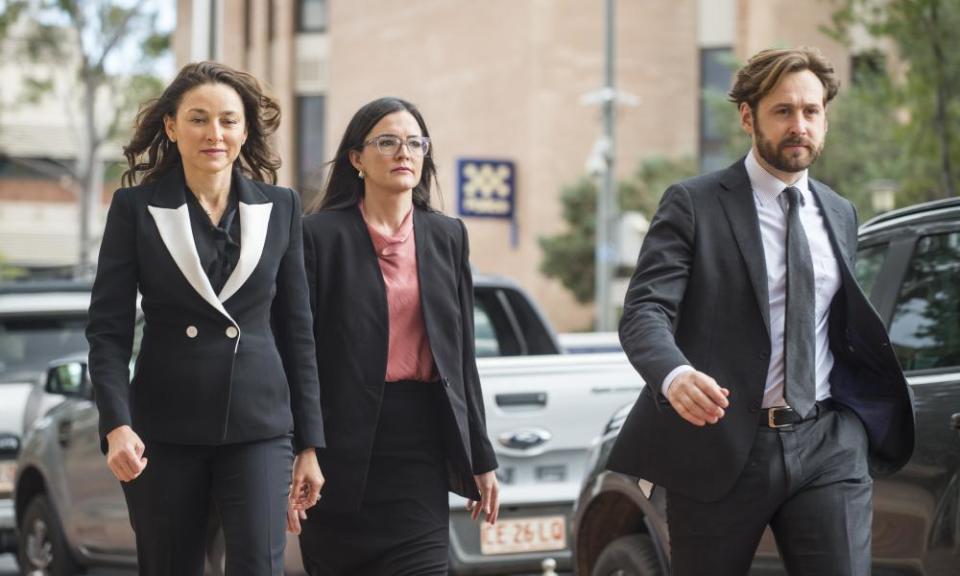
157, 45
85, 35
569, 256
8, 272
81, 51
642, 192
34, 89
10, 11
864, 145
132, 91
925, 35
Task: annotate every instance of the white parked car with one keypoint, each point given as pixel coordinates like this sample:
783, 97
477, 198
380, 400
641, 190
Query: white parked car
596, 342
543, 409
38, 323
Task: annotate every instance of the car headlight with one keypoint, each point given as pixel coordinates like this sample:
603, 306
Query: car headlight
8, 470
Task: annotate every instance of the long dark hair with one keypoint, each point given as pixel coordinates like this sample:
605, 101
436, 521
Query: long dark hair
150, 152
344, 188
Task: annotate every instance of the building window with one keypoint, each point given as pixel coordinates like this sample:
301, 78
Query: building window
270, 22
214, 37
247, 24
311, 15
866, 66
716, 74
311, 112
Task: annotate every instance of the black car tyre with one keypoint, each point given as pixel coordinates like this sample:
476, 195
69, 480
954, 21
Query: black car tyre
631, 555
42, 547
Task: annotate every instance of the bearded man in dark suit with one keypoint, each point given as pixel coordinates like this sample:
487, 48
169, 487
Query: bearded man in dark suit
772, 390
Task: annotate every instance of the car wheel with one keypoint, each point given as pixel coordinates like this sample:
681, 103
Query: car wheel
632, 555
42, 546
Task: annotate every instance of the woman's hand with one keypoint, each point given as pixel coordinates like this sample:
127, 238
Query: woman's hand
307, 481
294, 516
125, 453
489, 497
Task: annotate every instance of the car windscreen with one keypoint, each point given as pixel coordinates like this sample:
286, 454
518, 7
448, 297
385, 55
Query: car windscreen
29, 343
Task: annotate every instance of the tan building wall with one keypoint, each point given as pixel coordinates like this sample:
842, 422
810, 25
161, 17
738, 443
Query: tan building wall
788, 23
244, 41
503, 79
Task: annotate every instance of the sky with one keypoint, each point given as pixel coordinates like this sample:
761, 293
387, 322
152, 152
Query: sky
126, 58
166, 20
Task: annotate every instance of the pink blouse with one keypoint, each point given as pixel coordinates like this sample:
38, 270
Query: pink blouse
408, 355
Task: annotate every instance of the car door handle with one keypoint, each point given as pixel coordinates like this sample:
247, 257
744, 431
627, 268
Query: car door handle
536, 399
64, 430
615, 389
955, 421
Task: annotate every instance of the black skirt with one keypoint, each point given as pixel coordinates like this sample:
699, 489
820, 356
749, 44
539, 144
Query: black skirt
402, 527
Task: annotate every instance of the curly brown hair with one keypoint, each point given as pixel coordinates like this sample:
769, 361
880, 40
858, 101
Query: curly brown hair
765, 69
150, 152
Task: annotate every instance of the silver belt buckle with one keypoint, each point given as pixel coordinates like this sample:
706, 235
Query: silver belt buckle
771, 416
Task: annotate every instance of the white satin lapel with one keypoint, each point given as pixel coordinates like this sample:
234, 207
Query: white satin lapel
177, 236
254, 221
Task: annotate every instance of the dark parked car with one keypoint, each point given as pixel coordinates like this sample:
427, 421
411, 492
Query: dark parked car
909, 264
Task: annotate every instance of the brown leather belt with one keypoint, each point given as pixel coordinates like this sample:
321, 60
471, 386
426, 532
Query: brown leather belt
784, 416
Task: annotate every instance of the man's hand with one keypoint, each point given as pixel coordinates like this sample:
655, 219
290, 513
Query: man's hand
307, 480
698, 398
125, 453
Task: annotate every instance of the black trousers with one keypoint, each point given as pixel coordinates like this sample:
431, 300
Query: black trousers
402, 527
810, 483
169, 506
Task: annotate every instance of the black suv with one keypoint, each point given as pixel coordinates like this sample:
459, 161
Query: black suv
909, 264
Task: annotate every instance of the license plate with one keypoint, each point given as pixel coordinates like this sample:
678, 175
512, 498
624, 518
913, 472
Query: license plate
513, 535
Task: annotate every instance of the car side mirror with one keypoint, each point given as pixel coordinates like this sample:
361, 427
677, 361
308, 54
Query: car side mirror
69, 379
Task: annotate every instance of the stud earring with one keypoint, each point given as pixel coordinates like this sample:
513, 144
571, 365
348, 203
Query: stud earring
360, 173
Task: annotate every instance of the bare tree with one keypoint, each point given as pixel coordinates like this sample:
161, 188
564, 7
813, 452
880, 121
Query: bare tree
105, 47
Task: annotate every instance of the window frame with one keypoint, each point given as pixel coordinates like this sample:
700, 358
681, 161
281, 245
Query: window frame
902, 249
299, 24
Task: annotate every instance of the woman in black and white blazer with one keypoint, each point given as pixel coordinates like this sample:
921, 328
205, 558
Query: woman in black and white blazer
392, 299
225, 385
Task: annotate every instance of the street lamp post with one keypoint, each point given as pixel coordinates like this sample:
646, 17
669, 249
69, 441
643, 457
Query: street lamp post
606, 200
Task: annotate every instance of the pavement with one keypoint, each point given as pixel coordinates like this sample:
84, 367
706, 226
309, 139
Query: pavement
8, 567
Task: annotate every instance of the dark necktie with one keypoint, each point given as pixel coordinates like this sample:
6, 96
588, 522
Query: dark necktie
799, 387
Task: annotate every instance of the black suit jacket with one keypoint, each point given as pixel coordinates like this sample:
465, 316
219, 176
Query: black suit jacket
349, 302
699, 297
213, 368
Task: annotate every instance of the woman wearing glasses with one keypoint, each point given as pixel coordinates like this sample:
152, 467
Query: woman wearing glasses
392, 299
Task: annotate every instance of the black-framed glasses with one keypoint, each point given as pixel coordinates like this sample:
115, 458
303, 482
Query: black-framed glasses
389, 145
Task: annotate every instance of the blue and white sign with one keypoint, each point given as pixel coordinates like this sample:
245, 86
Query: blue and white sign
485, 188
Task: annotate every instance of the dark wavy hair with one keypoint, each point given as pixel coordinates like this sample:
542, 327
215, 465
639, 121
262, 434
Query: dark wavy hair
344, 188
150, 152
